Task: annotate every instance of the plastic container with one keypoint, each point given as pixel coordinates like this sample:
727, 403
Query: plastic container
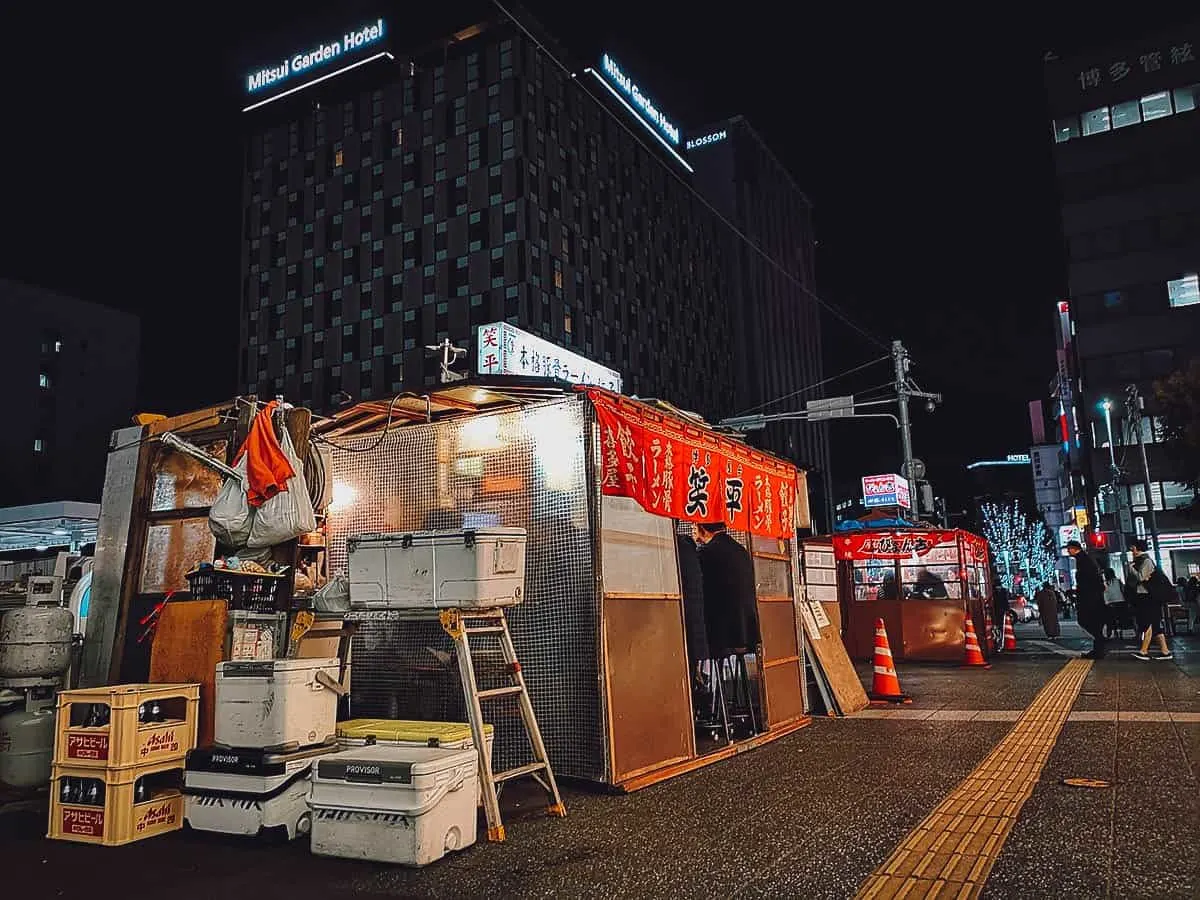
124, 741
484, 568
247, 791
118, 819
406, 805
243, 591
406, 733
275, 705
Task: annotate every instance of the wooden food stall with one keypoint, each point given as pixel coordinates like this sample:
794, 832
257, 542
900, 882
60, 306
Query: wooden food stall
599, 483
922, 582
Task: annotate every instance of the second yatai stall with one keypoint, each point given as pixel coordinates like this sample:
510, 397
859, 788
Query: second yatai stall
922, 582
603, 487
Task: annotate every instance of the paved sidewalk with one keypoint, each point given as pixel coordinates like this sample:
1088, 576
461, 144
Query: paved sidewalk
811, 815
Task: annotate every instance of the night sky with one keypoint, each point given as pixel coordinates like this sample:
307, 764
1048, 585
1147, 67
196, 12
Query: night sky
922, 142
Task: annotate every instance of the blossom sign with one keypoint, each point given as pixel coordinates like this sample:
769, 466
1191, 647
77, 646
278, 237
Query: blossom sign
885, 490
503, 349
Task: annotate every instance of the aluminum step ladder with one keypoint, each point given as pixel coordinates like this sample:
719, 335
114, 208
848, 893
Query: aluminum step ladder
461, 624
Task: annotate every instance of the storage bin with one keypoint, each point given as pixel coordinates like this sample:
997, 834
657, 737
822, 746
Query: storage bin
122, 741
246, 791
117, 819
410, 733
406, 805
278, 704
484, 568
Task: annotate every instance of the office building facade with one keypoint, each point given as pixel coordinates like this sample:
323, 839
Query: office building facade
425, 191
1126, 127
70, 371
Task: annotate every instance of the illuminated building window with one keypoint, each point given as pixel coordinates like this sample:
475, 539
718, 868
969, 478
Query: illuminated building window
1184, 291
43, 380
338, 158
38, 445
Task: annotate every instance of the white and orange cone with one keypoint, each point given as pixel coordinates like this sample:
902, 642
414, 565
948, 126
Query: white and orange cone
989, 627
974, 658
1010, 638
886, 686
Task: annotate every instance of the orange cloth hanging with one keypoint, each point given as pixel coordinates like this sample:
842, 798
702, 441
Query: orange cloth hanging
267, 468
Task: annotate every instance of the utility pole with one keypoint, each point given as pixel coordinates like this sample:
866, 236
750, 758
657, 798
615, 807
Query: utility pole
900, 362
1134, 406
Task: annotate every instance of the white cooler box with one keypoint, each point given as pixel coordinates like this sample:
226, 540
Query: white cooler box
246, 791
407, 805
437, 569
277, 704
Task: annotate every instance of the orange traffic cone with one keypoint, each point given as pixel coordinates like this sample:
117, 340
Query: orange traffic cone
1010, 639
974, 654
886, 686
989, 627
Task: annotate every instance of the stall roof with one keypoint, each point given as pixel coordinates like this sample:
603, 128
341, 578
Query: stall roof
441, 402
47, 525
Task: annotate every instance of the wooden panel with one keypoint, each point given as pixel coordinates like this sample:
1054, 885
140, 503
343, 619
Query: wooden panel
930, 630
650, 710
188, 644
784, 698
777, 623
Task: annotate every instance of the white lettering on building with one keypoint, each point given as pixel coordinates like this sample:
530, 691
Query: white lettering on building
643, 103
695, 143
322, 53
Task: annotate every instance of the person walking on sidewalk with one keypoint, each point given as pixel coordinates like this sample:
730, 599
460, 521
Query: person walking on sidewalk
1047, 602
1091, 612
1150, 590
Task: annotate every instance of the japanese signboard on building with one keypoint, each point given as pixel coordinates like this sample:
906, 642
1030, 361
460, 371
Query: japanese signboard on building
885, 490
506, 350
914, 544
1148, 61
675, 469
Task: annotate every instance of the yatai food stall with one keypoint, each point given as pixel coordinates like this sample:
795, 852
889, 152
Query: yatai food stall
601, 485
923, 583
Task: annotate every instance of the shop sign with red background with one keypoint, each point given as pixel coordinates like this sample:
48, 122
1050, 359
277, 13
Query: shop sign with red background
890, 544
686, 472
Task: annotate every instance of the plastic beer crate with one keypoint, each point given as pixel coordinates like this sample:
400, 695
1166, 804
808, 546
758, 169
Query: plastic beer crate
124, 742
119, 820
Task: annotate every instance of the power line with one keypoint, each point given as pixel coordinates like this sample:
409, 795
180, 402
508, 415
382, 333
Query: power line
833, 310
810, 387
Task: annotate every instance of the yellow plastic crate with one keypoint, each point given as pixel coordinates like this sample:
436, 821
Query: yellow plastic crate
124, 742
119, 820
405, 731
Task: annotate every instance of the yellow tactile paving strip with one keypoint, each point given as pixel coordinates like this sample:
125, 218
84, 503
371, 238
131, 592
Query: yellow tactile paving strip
951, 853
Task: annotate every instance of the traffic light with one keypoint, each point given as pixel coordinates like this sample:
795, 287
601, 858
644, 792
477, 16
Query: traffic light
1097, 540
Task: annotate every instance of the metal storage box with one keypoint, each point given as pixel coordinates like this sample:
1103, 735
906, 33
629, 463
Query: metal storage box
407, 805
437, 569
280, 704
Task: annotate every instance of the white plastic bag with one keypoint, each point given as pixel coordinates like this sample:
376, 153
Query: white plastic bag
231, 516
289, 513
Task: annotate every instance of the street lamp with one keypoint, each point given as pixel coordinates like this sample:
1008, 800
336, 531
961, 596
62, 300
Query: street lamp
1114, 472
1106, 405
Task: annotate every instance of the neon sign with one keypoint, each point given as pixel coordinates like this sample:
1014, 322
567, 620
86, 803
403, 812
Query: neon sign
696, 143
315, 57
644, 105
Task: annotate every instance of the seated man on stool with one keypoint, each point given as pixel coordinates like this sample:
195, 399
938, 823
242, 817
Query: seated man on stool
730, 602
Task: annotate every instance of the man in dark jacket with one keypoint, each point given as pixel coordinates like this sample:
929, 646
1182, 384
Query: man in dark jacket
1089, 583
730, 603
691, 583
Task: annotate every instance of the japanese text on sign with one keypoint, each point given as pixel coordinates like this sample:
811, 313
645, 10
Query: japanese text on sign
1145, 63
690, 474
506, 350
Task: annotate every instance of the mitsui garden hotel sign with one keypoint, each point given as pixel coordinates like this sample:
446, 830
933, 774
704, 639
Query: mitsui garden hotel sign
318, 59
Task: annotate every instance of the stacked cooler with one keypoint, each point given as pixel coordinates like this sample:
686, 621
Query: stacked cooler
273, 719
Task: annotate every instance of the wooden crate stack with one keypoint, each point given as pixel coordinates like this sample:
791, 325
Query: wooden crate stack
113, 757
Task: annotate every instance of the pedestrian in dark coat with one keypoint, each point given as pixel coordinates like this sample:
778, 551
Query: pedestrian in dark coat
730, 603
691, 583
1089, 584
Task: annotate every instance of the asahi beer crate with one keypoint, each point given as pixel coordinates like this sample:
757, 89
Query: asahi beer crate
126, 725
111, 807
